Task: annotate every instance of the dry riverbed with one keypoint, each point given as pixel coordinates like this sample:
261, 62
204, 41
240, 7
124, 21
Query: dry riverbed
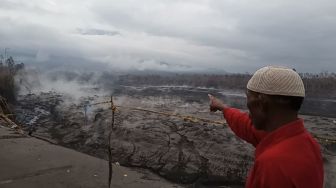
192, 153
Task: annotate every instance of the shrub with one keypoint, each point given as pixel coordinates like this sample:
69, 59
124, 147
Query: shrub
8, 89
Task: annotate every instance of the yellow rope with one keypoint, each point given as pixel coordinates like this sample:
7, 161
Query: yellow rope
184, 117
11, 123
325, 140
197, 119
194, 119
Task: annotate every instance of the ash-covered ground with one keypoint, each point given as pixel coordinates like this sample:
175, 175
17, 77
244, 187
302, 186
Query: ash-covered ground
196, 154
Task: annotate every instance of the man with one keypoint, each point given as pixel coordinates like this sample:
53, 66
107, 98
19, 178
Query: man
286, 154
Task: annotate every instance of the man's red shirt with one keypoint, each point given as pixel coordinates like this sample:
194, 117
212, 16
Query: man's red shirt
284, 158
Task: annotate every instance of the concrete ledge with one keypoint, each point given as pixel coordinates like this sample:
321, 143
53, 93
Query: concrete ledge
28, 162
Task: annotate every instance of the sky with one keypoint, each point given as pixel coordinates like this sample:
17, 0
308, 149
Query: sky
171, 35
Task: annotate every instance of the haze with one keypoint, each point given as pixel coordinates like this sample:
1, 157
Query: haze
170, 35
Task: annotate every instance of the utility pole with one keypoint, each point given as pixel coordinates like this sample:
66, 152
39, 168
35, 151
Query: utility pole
113, 108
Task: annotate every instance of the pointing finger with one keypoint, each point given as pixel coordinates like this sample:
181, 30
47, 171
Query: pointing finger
210, 96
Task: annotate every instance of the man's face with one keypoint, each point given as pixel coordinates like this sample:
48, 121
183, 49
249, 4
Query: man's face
256, 106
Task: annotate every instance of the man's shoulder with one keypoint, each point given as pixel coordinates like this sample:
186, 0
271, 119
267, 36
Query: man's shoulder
291, 151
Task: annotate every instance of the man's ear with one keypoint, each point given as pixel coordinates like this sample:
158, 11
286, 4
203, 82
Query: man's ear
264, 100
264, 97
261, 97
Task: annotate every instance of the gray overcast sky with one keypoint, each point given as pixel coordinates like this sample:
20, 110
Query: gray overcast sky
187, 35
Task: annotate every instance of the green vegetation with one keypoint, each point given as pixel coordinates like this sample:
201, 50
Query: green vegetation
8, 70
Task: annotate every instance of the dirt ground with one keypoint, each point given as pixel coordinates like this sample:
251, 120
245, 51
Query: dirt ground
192, 153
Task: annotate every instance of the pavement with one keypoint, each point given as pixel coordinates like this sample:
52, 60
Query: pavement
27, 162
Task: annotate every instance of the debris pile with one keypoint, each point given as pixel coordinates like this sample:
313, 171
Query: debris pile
189, 152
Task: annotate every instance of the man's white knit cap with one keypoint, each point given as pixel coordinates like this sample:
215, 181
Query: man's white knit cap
275, 80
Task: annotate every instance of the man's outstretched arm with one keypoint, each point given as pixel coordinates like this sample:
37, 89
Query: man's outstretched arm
239, 122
